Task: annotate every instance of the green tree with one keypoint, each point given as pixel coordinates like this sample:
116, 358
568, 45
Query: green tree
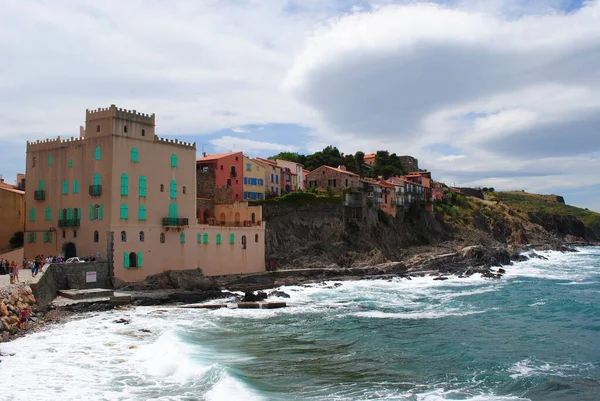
289, 156
329, 156
387, 165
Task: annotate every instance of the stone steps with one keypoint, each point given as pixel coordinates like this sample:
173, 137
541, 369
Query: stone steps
86, 294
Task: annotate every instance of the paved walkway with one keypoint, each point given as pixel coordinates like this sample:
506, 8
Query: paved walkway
24, 277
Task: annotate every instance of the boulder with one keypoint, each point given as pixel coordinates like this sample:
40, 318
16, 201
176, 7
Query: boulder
279, 294
249, 296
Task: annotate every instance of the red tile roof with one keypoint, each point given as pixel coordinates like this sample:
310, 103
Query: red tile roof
16, 191
339, 170
210, 158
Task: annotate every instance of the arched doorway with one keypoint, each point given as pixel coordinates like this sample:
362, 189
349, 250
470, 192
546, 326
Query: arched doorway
69, 250
132, 259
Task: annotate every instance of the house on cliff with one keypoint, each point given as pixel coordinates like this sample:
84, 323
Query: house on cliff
338, 179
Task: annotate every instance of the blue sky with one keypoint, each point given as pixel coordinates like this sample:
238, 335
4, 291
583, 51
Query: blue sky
489, 93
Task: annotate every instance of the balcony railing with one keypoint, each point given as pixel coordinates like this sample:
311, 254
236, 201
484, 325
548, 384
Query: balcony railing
95, 190
68, 223
39, 194
174, 222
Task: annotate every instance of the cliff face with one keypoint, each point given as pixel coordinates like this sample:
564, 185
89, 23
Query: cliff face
322, 235
333, 235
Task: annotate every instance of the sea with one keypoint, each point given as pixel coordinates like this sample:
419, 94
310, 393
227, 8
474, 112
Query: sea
532, 335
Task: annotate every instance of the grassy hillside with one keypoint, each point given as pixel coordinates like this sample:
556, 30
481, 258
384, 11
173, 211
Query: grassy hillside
533, 203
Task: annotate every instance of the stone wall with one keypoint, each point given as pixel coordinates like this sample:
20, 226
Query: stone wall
13, 299
70, 276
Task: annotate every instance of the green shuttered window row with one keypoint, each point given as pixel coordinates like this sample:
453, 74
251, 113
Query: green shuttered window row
132, 260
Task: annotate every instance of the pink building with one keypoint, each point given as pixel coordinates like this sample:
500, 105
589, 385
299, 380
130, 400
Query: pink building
225, 170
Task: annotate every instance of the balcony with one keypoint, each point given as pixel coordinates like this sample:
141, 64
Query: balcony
174, 222
39, 194
95, 190
69, 223
233, 173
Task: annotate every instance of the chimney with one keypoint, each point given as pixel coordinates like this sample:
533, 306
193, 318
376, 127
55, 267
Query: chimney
203, 154
342, 167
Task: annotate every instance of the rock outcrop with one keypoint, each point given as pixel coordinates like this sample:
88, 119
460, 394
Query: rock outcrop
13, 300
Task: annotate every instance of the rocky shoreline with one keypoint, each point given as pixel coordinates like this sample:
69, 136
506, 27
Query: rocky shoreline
191, 286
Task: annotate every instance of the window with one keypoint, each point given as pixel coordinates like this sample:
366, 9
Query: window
97, 128
142, 185
141, 236
173, 189
261, 182
173, 160
124, 184
124, 212
48, 214
183, 190
228, 182
64, 234
125, 260
134, 155
74, 233
198, 238
70, 163
205, 238
97, 179
32, 214
133, 259
31, 238
143, 132
346, 182
253, 181
49, 160
272, 178
173, 212
142, 212
248, 167
162, 188
65, 187
96, 236
221, 167
255, 237
182, 237
231, 238
245, 180
218, 239
125, 129
97, 151
243, 242
276, 179
33, 161
162, 238
123, 236
75, 186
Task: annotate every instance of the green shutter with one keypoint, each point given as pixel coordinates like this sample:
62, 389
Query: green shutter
100, 212
124, 184
91, 212
139, 257
173, 160
143, 185
34, 237
198, 238
125, 260
218, 239
231, 238
49, 237
173, 189
124, 212
205, 238
49, 160
182, 238
142, 212
48, 214
75, 186
65, 187
71, 163
97, 179
97, 153
173, 211
32, 214
60, 214
134, 155
41, 185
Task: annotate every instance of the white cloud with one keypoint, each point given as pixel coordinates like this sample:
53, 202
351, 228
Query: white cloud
239, 130
233, 144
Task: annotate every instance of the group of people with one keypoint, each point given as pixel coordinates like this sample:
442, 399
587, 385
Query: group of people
35, 266
10, 268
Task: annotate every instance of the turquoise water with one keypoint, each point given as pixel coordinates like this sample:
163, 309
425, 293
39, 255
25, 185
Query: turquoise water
533, 335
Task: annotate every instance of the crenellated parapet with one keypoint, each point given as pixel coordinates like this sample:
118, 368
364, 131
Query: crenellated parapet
117, 112
175, 142
49, 144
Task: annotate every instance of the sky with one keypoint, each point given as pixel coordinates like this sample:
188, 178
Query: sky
493, 93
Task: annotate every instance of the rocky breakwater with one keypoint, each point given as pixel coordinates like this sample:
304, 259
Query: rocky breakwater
13, 300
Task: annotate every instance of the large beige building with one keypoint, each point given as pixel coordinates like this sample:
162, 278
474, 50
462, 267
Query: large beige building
123, 194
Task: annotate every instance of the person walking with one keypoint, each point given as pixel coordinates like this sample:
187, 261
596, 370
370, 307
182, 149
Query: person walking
15, 272
10, 274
